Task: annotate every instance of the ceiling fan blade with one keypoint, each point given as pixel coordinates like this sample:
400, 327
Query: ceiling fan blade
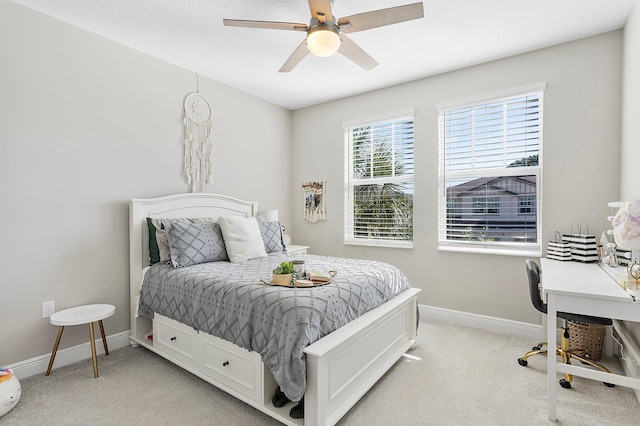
380, 18
352, 51
270, 25
295, 58
320, 6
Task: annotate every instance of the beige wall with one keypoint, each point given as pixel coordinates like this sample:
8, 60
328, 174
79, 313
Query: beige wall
581, 159
630, 170
86, 125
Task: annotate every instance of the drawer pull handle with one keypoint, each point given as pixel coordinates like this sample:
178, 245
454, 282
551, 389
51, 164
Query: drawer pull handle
224, 364
173, 338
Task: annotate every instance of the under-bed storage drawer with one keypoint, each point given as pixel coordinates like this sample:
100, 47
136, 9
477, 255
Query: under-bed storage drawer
233, 366
175, 339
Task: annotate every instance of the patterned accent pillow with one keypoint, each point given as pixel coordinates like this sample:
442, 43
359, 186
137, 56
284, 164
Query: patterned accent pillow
161, 235
271, 236
242, 238
194, 243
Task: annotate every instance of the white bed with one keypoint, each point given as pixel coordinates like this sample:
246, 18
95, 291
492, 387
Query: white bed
341, 367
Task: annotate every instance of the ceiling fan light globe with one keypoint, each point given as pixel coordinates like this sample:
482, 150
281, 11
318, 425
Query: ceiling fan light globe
323, 43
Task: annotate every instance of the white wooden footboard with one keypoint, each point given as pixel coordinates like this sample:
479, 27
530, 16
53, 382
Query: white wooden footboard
344, 365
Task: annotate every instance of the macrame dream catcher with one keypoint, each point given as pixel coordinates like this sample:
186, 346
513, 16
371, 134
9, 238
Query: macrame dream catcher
314, 200
198, 144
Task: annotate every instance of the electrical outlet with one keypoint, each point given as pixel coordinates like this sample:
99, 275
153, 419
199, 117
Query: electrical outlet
48, 308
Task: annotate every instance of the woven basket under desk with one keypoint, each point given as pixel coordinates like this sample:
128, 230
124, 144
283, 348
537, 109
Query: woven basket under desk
588, 337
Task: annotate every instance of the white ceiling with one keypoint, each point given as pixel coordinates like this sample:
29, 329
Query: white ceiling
452, 35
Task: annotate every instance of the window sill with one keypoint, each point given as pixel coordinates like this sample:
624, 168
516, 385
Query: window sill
501, 251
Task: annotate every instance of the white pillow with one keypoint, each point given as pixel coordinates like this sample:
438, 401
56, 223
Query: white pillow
242, 237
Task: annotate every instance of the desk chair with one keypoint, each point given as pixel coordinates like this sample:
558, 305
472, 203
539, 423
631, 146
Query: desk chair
533, 273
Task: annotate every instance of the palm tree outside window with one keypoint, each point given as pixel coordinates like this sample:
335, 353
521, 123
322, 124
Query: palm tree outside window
379, 181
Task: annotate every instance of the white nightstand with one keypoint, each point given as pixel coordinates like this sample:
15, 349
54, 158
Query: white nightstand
293, 249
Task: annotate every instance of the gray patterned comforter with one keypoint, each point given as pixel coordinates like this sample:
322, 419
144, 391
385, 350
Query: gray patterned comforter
229, 301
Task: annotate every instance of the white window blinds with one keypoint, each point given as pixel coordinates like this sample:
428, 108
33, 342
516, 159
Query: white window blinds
489, 174
379, 182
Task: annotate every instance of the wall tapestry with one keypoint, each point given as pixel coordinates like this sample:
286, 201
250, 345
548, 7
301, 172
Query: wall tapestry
198, 144
314, 201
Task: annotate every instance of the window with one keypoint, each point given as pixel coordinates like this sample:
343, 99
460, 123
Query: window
489, 173
379, 181
485, 205
525, 205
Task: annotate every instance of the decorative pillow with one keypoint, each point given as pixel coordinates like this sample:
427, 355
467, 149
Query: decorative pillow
161, 235
194, 243
242, 238
154, 251
271, 236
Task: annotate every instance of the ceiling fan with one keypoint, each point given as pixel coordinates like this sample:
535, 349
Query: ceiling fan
326, 35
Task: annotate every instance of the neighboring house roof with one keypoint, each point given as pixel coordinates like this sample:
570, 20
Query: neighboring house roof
480, 184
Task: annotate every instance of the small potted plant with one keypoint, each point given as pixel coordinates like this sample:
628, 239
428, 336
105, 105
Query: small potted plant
282, 274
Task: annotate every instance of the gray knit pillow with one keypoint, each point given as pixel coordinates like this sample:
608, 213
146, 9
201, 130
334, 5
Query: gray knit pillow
161, 234
271, 236
194, 243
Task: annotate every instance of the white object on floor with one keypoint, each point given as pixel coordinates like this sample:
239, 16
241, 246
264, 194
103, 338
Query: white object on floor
10, 392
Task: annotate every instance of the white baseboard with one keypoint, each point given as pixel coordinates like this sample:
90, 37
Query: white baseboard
483, 322
38, 365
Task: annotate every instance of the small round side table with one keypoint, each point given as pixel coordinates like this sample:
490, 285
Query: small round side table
85, 314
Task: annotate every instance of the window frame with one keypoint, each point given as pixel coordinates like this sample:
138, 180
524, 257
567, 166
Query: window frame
492, 247
348, 238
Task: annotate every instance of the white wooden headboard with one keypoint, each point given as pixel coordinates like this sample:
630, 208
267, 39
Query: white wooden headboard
179, 205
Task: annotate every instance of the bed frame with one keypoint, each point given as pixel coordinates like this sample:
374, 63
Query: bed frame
341, 367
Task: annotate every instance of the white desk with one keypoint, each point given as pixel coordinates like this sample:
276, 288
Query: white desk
582, 289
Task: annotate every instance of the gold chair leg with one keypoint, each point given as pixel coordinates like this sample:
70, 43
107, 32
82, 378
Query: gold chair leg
591, 363
104, 339
55, 349
93, 351
532, 353
564, 349
536, 350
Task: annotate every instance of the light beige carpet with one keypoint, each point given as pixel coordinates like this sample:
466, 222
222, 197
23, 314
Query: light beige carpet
455, 376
